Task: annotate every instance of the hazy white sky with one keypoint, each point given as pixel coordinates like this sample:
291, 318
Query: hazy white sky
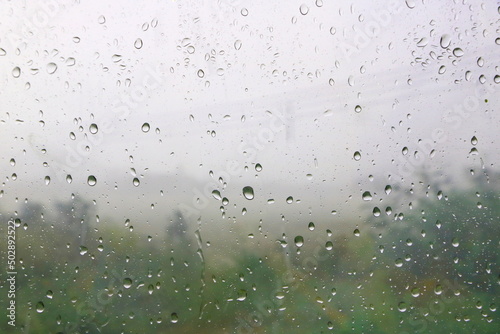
297, 77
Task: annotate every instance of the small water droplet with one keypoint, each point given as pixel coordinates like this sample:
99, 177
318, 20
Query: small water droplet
357, 233
200, 73
16, 72
455, 242
69, 179
329, 245
388, 189
174, 318
398, 263
311, 226
91, 180
136, 182
457, 52
244, 11
145, 127
127, 283
258, 167
289, 199
473, 141
237, 44
410, 4
304, 9
49, 294
216, 194
248, 192
138, 43
101, 19
402, 307
357, 156
47, 180
319, 3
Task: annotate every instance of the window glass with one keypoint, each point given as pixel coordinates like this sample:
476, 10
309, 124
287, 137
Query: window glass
241, 166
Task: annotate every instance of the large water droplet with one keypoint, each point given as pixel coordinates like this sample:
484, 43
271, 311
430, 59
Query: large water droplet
367, 196
445, 41
40, 307
51, 68
299, 241
93, 128
248, 192
174, 318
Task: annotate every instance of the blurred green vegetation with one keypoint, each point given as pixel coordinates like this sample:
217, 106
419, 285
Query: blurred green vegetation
435, 270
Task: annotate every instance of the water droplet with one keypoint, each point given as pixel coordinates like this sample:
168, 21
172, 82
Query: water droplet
91, 180
442, 69
410, 4
388, 189
357, 109
145, 127
12, 162
496, 79
473, 141
289, 199
480, 62
47, 180
329, 245
69, 179
367, 196
2, 52
16, 72
457, 52
76, 39
127, 283
299, 241
244, 11
93, 128
83, 250
40, 307
216, 195
398, 263
248, 192
200, 73
357, 156
258, 167
51, 68
49, 294
376, 211
455, 242
319, 3
101, 19
402, 307
304, 9
311, 226
138, 43
136, 182
237, 44
242, 295
174, 318
357, 233
445, 41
